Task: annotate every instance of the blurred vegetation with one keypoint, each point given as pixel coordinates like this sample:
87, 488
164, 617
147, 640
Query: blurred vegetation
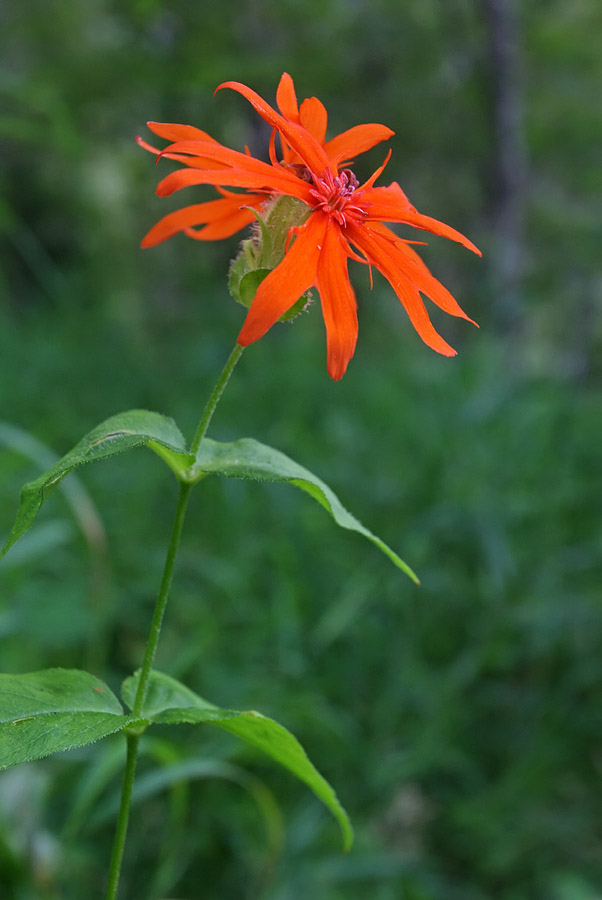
460, 722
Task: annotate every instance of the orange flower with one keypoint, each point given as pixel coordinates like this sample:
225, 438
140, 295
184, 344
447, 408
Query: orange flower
345, 218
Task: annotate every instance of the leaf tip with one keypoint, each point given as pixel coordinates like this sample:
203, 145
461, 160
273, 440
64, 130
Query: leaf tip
348, 835
7, 545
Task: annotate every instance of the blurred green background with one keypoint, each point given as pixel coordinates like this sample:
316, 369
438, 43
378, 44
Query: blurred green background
460, 722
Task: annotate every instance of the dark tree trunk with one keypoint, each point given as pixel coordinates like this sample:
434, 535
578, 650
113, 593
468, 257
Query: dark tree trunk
509, 160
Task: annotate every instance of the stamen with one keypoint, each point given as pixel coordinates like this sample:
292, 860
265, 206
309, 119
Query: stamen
272, 148
300, 170
332, 194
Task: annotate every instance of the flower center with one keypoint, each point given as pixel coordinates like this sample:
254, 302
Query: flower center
332, 194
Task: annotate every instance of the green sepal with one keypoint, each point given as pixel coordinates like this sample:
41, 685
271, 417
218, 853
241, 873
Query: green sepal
301, 304
244, 289
239, 267
263, 243
265, 249
121, 432
54, 710
168, 702
249, 283
248, 458
285, 213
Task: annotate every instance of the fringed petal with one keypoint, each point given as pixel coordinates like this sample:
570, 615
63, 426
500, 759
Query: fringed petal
339, 306
390, 204
221, 219
286, 98
172, 132
223, 228
301, 141
314, 117
377, 250
182, 178
356, 140
416, 270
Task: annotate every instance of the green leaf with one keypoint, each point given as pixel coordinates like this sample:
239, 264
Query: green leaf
248, 458
170, 703
119, 433
57, 709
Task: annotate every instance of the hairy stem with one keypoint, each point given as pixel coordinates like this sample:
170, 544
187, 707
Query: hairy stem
133, 738
162, 598
217, 392
124, 813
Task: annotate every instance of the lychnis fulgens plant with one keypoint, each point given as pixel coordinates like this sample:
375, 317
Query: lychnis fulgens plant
309, 215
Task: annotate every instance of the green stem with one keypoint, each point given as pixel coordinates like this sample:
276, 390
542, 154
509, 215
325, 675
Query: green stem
133, 738
217, 392
162, 598
124, 814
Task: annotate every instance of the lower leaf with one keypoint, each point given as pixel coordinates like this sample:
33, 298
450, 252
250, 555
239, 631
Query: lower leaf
54, 710
170, 703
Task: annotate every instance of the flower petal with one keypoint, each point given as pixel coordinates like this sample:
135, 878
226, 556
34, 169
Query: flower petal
302, 142
214, 156
287, 99
339, 306
172, 132
389, 199
314, 117
377, 251
182, 178
226, 215
414, 267
389, 204
187, 160
356, 140
218, 153
287, 282
223, 228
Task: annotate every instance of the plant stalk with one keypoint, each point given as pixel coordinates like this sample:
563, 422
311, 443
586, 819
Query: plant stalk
132, 738
124, 813
217, 392
162, 598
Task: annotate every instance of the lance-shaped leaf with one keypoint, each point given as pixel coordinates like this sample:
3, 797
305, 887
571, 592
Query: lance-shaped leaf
248, 458
117, 434
53, 710
168, 702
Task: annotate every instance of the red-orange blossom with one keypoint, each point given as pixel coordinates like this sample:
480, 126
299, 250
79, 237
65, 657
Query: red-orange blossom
345, 218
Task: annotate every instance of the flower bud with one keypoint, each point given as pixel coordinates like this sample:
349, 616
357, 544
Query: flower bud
265, 249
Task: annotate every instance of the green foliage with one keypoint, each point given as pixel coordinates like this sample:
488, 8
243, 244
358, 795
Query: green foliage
461, 721
121, 432
170, 703
245, 458
249, 459
58, 709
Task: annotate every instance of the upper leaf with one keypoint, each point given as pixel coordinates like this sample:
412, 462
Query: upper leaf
169, 703
121, 432
56, 709
248, 458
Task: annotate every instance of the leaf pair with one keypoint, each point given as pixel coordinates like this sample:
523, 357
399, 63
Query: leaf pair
61, 709
245, 458
47, 712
